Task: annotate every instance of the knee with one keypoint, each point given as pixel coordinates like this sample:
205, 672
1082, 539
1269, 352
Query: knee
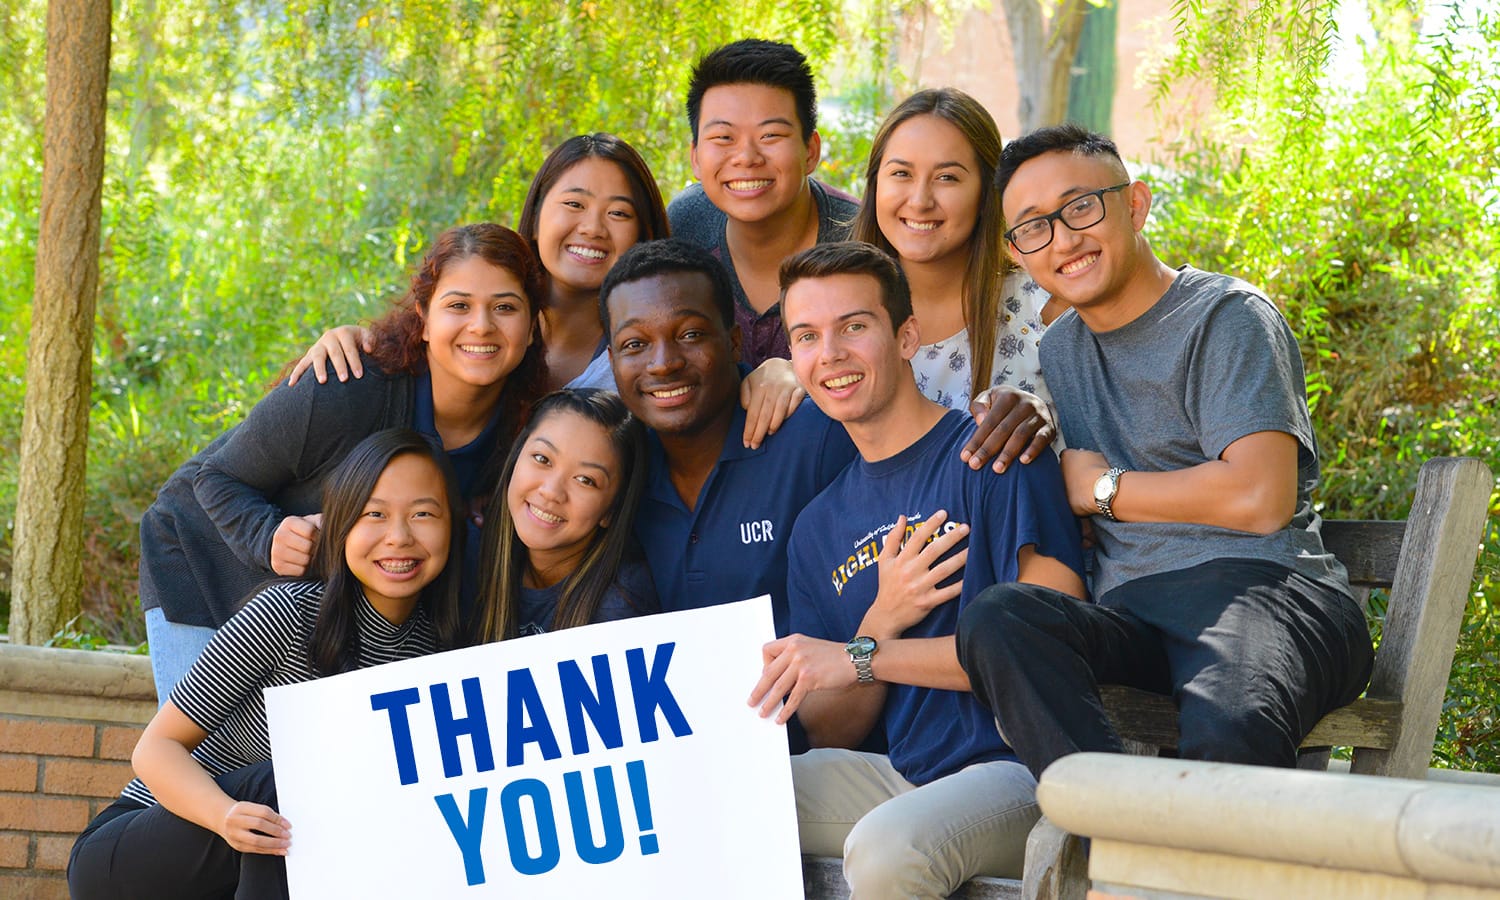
990, 619
257, 784
883, 858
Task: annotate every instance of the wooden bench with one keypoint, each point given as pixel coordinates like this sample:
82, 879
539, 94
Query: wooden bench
1426, 562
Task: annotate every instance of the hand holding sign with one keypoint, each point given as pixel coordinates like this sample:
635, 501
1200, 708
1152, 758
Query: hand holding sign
614, 760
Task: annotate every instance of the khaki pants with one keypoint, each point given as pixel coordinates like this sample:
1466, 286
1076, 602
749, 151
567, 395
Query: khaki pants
900, 840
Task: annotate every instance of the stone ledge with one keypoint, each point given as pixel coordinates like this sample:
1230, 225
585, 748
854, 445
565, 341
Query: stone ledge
76, 684
1422, 830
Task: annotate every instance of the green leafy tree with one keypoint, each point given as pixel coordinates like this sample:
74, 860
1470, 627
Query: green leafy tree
1363, 198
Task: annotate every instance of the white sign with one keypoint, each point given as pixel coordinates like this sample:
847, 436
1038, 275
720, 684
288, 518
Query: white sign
617, 760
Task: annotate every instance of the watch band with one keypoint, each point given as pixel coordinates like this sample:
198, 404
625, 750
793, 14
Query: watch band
861, 649
1106, 504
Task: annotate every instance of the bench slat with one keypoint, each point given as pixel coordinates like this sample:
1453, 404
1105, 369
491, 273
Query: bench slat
823, 879
1151, 719
1369, 550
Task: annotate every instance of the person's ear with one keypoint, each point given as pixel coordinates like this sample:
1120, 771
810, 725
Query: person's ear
736, 339
909, 337
1140, 203
814, 152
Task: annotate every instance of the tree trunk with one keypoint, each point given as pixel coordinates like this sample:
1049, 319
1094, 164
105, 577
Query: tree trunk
47, 577
1091, 90
1043, 47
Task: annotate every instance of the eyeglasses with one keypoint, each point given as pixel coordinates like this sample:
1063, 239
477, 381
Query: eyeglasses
1083, 211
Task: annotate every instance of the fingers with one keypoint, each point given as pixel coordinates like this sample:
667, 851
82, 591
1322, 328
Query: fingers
990, 410
350, 341
758, 415
765, 693
998, 444
255, 828
333, 352
795, 666
297, 370
293, 544
780, 412
954, 564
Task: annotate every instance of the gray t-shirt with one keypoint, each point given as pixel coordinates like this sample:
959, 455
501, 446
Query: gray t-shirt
1212, 361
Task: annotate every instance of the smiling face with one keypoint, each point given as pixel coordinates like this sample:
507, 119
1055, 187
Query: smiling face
560, 491
928, 193
750, 153
1096, 269
672, 354
845, 353
399, 543
476, 326
585, 221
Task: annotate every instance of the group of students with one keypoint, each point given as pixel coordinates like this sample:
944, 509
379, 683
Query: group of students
562, 426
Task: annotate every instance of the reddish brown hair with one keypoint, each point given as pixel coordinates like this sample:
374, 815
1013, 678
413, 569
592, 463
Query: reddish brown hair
398, 342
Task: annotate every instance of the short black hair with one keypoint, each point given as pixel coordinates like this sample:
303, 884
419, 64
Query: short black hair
1070, 137
650, 258
851, 258
754, 61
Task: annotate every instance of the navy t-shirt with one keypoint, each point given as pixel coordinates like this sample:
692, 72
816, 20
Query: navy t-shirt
631, 595
468, 463
834, 579
732, 545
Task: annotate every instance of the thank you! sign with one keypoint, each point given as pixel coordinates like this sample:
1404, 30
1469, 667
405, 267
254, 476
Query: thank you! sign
616, 760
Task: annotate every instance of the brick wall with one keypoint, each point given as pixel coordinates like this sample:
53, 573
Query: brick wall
68, 721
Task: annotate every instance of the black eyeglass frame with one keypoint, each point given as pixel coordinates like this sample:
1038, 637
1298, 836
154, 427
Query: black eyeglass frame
1052, 218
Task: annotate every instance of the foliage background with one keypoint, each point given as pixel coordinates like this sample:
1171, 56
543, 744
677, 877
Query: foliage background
273, 166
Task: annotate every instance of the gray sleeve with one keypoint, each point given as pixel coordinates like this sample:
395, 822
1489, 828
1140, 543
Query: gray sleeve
1246, 376
285, 440
695, 219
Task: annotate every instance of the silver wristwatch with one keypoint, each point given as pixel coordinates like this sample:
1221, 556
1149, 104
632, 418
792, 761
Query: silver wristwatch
1105, 489
860, 650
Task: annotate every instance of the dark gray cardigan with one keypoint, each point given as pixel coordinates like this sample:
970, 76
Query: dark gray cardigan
206, 541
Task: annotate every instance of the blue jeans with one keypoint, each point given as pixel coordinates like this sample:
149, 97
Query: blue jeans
174, 649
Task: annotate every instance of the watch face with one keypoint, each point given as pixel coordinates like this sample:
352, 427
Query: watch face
861, 646
1103, 487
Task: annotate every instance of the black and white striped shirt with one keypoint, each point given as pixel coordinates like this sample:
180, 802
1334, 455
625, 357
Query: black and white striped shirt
264, 645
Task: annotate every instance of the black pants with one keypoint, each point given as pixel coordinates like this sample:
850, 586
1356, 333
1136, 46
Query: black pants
131, 851
1252, 653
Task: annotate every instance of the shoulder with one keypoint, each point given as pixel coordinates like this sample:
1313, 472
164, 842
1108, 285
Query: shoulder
807, 422
634, 591
809, 437
834, 206
835, 199
290, 604
1223, 302
693, 217
354, 395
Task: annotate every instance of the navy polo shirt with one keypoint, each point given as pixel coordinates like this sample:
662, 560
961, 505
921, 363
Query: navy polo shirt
733, 544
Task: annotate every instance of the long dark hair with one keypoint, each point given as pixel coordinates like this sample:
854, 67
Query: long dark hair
503, 559
398, 342
334, 645
649, 210
987, 263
